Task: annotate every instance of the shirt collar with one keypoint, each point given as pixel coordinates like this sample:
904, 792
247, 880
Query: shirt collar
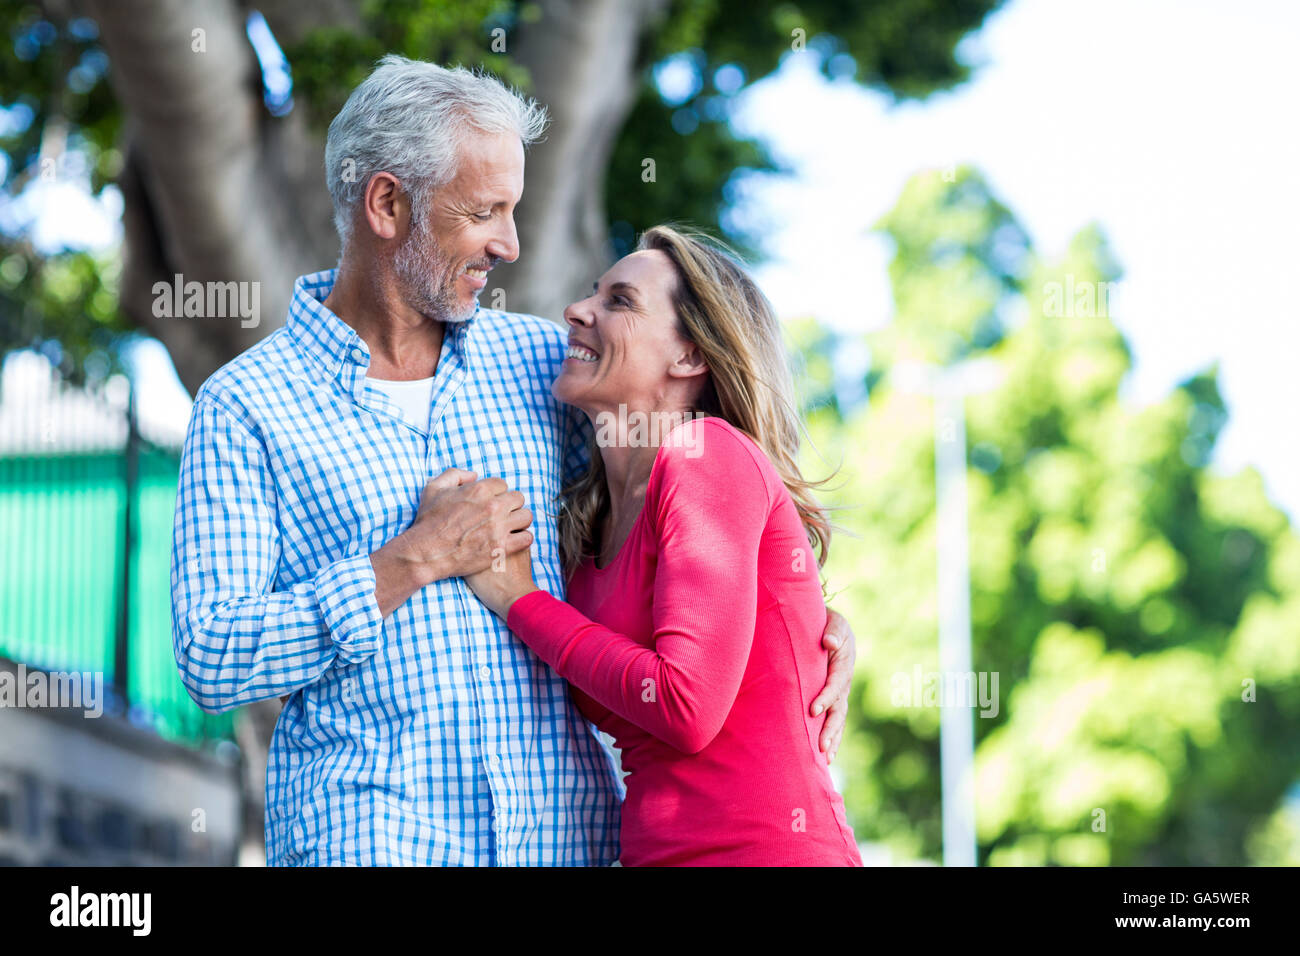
333, 344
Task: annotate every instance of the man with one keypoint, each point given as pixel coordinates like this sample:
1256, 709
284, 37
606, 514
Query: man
342, 476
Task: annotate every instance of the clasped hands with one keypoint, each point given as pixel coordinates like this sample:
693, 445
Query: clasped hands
477, 528
467, 527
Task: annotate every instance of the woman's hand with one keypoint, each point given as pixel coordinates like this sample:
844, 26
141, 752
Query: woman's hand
508, 578
839, 640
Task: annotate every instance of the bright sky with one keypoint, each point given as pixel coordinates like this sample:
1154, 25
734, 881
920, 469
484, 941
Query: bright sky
1172, 124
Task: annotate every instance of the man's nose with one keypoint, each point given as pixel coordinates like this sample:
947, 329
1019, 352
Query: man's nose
505, 244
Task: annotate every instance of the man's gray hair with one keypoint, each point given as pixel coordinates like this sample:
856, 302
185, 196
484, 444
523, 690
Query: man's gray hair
409, 118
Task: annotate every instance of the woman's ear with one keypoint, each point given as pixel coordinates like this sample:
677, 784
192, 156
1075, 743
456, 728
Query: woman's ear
689, 363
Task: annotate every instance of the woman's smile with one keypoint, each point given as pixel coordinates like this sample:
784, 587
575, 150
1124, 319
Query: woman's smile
581, 354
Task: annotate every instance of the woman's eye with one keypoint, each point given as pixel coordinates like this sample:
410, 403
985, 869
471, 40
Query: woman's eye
617, 300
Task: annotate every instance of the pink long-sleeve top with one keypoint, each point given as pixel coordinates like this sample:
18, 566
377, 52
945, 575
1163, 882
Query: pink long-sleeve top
698, 648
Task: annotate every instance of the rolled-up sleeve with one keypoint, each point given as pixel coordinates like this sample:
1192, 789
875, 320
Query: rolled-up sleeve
236, 638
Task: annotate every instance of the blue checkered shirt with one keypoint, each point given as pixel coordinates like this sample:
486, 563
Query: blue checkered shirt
432, 736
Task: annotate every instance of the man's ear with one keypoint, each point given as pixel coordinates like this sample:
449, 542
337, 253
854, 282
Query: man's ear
689, 363
385, 206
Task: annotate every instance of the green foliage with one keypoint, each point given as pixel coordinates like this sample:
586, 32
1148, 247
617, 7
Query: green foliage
52, 74
332, 61
58, 114
694, 173
64, 305
958, 255
1130, 600
905, 48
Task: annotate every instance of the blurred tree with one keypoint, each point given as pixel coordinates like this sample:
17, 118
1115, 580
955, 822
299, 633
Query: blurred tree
1141, 611
221, 178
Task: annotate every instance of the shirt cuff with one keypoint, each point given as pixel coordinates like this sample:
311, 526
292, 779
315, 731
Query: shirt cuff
345, 591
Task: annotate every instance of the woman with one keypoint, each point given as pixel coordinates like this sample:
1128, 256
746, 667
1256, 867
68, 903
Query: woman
693, 632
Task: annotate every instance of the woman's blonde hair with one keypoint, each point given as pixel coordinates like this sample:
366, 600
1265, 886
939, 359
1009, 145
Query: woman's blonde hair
721, 310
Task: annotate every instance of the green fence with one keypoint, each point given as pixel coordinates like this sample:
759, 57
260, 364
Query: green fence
85, 572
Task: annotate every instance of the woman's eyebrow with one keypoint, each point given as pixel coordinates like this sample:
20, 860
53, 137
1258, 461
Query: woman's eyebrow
625, 287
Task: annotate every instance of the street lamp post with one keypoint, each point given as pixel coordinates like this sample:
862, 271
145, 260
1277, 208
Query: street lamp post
949, 386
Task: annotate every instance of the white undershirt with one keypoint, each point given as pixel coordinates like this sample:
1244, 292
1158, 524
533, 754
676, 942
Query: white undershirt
411, 397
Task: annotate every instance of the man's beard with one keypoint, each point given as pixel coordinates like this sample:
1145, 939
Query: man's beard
428, 278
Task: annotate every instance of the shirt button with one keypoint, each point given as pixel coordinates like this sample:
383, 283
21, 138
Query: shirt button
485, 672
356, 356
495, 760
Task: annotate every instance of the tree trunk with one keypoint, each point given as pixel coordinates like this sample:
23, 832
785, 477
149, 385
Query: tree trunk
582, 55
216, 188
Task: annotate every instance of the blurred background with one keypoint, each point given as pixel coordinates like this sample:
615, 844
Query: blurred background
1033, 259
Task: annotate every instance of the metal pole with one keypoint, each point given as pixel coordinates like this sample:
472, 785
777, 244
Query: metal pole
956, 730
122, 644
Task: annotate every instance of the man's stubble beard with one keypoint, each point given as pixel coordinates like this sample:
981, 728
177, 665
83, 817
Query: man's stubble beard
428, 278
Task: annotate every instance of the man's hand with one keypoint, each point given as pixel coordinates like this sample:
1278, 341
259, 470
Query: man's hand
834, 697
461, 524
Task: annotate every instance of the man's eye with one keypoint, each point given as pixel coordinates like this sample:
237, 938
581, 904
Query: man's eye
617, 300
482, 216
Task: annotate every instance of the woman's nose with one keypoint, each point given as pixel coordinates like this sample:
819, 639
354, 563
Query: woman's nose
578, 313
